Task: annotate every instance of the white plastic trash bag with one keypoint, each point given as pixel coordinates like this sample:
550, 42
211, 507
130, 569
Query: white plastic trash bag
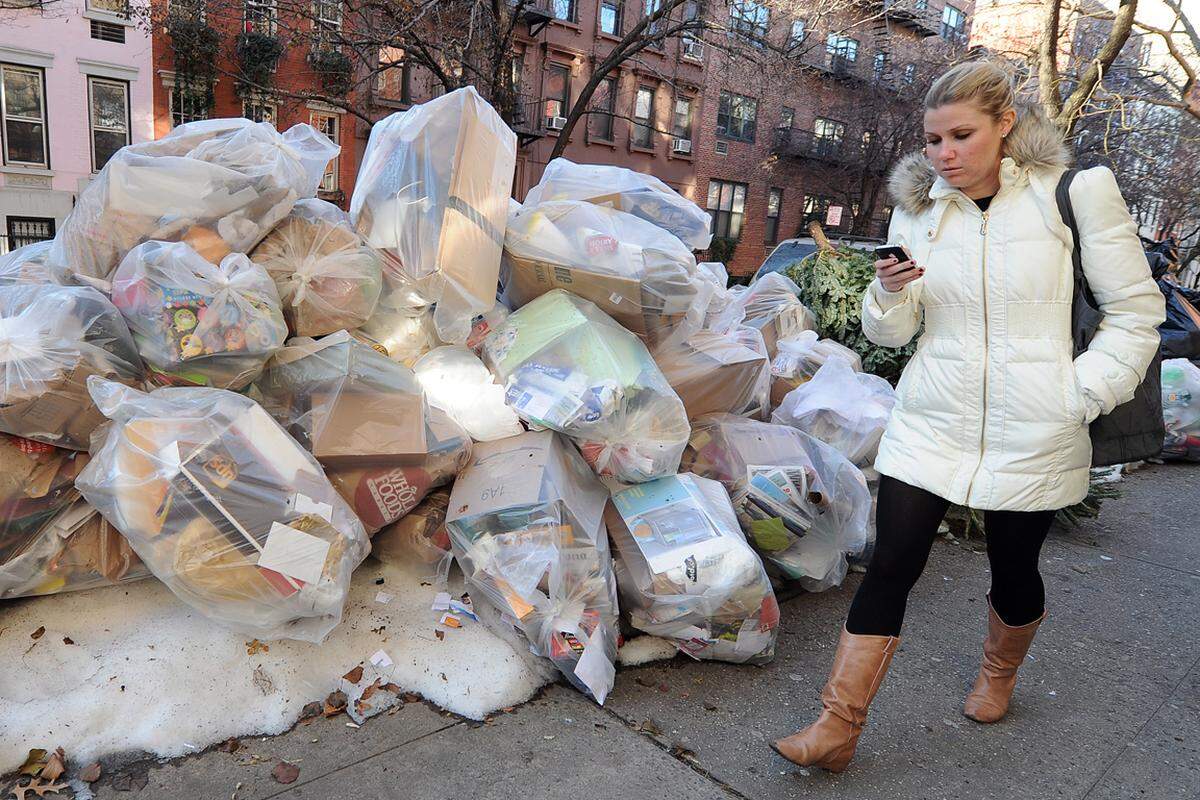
686, 574
220, 185
198, 323
567, 366
841, 407
26, 264
772, 304
802, 504
432, 194
526, 525
634, 271
405, 334
1181, 409
798, 358
52, 338
635, 193
328, 279
458, 383
225, 509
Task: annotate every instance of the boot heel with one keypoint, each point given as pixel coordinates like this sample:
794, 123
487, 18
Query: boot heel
839, 759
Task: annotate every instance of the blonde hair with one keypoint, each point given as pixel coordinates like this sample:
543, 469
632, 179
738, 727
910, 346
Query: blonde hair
984, 84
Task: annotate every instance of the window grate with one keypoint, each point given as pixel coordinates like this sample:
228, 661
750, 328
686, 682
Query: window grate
108, 31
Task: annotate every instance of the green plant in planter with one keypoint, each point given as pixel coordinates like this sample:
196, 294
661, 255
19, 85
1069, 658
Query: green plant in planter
257, 54
196, 47
334, 69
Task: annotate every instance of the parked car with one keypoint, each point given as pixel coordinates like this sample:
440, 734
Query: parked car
790, 251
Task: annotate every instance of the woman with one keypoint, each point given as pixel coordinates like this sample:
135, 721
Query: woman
991, 411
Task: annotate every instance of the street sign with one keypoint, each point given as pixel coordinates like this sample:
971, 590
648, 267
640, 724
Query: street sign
833, 217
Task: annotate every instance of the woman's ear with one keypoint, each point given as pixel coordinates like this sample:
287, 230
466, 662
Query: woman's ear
1008, 121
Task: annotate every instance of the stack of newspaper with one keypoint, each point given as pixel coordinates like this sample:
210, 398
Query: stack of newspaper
790, 494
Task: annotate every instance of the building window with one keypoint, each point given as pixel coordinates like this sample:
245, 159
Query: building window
600, 121
610, 17
260, 17
681, 118
109, 104
393, 81
841, 48
23, 112
558, 92
736, 116
564, 9
331, 126
327, 23
881, 61
258, 110
796, 37
787, 117
774, 206
27, 230
827, 137
910, 72
187, 105
118, 8
816, 207
726, 204
750, 19
954, 23
643, 117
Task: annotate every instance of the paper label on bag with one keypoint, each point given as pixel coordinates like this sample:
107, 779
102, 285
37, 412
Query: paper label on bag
593, 669
294, 553
303, 504
380, 659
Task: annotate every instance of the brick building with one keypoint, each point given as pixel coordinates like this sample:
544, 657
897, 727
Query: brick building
813, 138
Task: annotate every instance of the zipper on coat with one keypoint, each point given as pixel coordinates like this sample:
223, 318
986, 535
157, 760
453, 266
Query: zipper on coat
983, 282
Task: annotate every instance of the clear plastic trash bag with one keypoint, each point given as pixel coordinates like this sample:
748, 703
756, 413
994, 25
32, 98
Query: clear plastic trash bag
1181, 409
225, 508
26, 264
405, 334
718, 372
841, 407
526, 526
220, 185
432, 194
419, 537
52, 338
568, 366
798, 358
686, 574
772, 304
644, 196
807, 538
365, 419
328, 279
636, 272
458, 383
197, 323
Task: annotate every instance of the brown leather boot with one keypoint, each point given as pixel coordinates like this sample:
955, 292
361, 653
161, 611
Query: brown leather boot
1003, 651
858, 669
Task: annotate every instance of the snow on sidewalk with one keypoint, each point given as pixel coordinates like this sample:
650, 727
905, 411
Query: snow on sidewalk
131, 668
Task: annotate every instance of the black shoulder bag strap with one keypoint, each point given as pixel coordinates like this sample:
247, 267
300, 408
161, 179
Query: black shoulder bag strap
1085, 315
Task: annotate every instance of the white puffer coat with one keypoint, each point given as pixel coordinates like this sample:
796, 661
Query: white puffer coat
992, 412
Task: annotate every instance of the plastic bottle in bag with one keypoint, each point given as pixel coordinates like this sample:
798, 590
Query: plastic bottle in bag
526, 525
803, 506
225, 508
644, 196
52, 338
197, 323
567, 366
1181, 409
686, 574
844, 408
328, 279
432, 195
220, 185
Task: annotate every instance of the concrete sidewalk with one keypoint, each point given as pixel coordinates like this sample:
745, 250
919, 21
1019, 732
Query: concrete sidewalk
1107, 707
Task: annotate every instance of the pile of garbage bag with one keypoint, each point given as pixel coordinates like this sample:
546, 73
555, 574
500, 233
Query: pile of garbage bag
1181, 409
215, 380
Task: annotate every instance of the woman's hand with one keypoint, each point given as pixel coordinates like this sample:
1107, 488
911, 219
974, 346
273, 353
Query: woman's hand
894, 275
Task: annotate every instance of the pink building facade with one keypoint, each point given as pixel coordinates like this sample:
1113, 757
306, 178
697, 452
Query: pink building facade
75, 86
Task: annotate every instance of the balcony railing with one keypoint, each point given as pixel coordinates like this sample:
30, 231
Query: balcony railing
919, 15
527, 120
799, 143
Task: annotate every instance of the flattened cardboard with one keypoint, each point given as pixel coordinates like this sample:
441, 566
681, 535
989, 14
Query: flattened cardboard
352, 428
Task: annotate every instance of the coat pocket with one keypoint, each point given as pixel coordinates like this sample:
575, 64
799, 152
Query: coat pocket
1076, 405
906, 386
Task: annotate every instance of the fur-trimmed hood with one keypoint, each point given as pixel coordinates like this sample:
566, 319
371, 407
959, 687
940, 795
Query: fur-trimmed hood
1034, 143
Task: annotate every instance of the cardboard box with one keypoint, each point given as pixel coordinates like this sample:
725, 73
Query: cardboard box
352, 428
62, 413
712, 373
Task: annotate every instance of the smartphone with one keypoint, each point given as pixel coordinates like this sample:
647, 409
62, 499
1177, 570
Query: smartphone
886, 251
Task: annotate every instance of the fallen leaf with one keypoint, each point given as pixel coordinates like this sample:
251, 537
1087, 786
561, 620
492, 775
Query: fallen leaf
649, 726
56, 766
129, 783
412, 697
354, 675
68, 640
91, 773
393, 688
440, 634
335, 703
229, 746
34, 762
38, 633
254, 647
285, 772
43, 789
311, 711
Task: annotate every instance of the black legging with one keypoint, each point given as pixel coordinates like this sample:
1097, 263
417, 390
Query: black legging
907, 520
